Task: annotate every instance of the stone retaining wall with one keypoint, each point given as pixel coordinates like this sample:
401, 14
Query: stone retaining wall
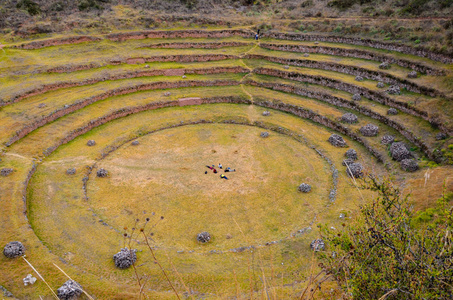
152, 34
322, 120
340, 102
116, 92
352, 70
356, 53
419, 51
57, 42
134, 74
350, 88
196, 45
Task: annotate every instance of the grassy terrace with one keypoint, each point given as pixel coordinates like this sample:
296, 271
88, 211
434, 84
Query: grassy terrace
80, 230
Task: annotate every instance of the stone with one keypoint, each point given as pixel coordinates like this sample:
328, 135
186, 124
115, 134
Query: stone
400, 151
369, 130
70, 290
337, 140
286, 67
184, 76
387, 139
385, 65
304, 188
6, 171
167, 94
266, 113
342, 216
42, 105
135, 143
71, 171
394, 90
147, 66
349, 118
91, 143
356, 97
318, 245
316, 43
29, 279
264, 134
306, 55
125, 258
347, 162
359, 78
409, 165
441, 136
203, 237
355, 170
380, 85
412, 74
392, 111
14, 249
351, 154
102, 173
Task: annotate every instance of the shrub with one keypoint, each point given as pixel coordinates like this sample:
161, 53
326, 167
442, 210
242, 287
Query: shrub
386, 251
31, 7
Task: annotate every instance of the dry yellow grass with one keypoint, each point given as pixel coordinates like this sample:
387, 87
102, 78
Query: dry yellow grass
165, 174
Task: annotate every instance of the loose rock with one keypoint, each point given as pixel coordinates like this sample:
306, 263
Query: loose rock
359, 78
394, 90
266, 113
264, 134
318, 245
409, 165
184, 76
304, 188
385, 66
400, 151
355, 170
29, 279
71, 171
91, 143
286, 67
102, 173
135, 143
166, 94
70, 290
349, 118
351, 154
380, 85
306, 55
203, 237
441, 136
412, 74
369, 130
387, 139
6, 171
347, 162
14, 249
42, 105
337, 140
392, 111
125, 258
356, 97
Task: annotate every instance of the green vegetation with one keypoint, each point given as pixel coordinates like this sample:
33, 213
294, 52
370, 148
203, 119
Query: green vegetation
389, 251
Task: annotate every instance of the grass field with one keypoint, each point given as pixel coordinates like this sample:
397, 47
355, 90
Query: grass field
261, 225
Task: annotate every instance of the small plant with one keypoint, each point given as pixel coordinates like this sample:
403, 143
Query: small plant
390, 251
145, 232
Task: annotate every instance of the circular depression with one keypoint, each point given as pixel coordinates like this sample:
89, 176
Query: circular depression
165, 175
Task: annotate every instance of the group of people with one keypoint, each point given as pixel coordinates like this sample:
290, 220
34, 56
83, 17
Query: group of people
220, 167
